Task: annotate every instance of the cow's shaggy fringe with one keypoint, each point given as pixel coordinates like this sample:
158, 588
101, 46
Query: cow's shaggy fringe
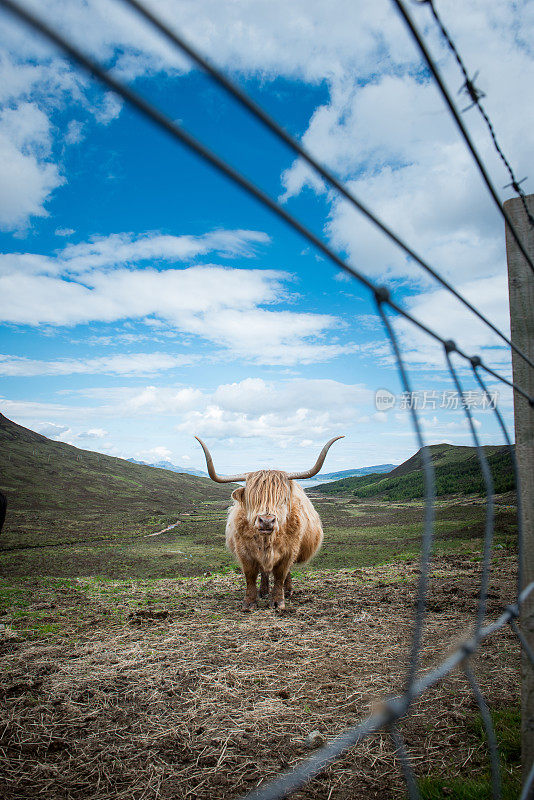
267, 489
187, 697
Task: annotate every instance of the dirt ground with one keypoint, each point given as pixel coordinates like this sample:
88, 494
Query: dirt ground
165, 689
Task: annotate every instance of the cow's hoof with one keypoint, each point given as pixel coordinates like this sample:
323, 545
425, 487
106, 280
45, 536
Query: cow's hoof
279, 606
249, 605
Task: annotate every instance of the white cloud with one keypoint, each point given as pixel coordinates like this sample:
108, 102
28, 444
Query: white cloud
51, 430
380, 416
159, 453
377, 113
27, 127
102, 254
242, 36
253, 417
436, 207
157, 400
269, 337
28, 175
255, 395
33, 411
75, 132
232, 308
120, 364
106, 252
440, 311
35, 291
93, 433
287, 412
247, 424
392, 141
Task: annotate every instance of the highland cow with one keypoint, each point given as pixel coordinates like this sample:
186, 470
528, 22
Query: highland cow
271, 526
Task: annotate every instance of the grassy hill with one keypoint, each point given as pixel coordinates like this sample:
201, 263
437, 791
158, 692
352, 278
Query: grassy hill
59, 494
75, 513
457, 471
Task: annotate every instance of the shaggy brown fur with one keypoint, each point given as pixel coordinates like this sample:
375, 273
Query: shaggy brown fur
296, 536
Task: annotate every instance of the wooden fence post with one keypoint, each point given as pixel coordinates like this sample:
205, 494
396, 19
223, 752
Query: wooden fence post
521, 288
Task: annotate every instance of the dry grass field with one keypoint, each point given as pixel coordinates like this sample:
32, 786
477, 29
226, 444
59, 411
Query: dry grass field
129, 672
157, 689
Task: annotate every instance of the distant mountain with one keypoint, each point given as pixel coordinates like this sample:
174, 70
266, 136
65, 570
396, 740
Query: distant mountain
321, 478
350, 473
456, 471
327, 477
170, 466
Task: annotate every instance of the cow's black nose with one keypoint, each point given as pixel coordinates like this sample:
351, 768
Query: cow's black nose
266, 521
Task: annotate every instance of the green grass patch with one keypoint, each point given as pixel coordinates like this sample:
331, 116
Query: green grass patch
477, 784
12, 597
42, 630
379, 533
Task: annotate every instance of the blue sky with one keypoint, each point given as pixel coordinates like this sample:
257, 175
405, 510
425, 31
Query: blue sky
146, 299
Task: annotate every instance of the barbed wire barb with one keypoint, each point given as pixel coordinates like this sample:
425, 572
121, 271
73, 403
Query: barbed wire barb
472, 91
476, 95
432, 66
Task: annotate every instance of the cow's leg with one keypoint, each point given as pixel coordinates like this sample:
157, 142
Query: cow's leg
264, 584
280, 573
250, 570
288, 586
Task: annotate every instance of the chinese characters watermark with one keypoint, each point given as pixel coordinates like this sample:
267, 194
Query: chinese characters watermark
433, 400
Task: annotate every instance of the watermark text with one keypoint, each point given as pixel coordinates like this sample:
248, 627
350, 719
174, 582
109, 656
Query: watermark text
431, 400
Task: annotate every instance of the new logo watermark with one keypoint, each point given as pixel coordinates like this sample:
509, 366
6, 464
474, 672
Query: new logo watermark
433, 399
384, 400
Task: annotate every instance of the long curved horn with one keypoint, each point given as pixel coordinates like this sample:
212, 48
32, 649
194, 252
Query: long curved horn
211, 469
318, 464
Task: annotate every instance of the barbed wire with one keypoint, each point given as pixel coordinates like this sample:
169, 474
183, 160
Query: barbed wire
449, 348
432, 66
430, 499
515, 469
394, 709
178, 132
269, 122
402, 754
527, 786
475, 95
488, 727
